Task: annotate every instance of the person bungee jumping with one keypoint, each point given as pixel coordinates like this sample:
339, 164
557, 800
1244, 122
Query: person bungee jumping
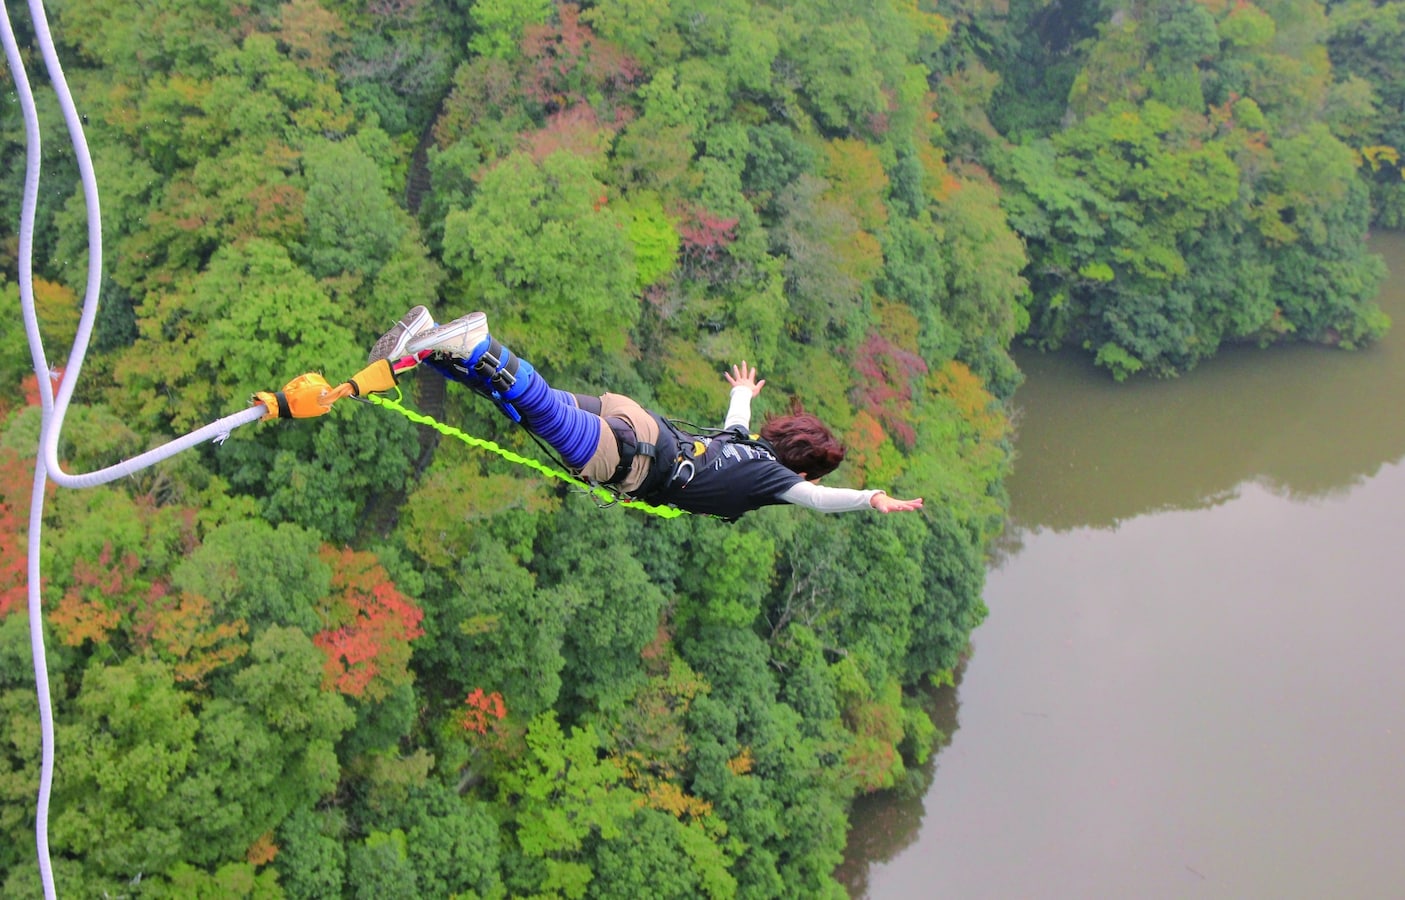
611, 440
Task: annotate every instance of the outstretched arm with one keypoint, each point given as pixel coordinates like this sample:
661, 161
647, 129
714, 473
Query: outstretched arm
833, 499
744, 387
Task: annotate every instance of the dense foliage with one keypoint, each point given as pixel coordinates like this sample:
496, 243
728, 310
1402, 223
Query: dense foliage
1187, 174
339, 658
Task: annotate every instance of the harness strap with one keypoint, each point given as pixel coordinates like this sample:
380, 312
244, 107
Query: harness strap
629, 446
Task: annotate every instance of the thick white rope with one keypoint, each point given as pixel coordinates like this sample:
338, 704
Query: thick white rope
50, 443
46, 462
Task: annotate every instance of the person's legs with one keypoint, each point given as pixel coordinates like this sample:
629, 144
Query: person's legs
466, 352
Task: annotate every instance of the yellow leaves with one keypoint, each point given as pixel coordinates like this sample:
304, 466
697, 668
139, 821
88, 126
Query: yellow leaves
965, 389
651, 745
964, 433
57, 309
656, 785
670, 798
480, 624
1377, 155
742, 763
857, 178
860, 257
859, 186
898, 323
925, 24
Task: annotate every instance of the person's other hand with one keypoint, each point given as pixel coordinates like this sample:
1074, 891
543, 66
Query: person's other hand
744, 376
885, 504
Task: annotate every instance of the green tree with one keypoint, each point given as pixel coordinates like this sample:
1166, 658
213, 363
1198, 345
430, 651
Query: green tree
563, 797
379, 867
647, 862
131, 740
251, 570
311, 862
452, 842
500, 25
352, 226
542, 246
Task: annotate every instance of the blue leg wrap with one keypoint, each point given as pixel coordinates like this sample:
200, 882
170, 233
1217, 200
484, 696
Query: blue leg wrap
554, 416
551, 414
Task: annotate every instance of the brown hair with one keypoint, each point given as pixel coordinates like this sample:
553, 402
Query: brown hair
803, 443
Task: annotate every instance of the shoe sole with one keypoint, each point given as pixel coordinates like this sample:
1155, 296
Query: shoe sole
457, 338
393, 344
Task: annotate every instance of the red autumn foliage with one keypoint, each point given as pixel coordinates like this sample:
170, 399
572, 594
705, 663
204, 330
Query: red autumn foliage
369, 627
16, 487
576, 130
566, 63
887, 375
483, 711
704, 238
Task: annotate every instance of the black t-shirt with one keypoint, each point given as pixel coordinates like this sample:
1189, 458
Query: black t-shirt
732, 476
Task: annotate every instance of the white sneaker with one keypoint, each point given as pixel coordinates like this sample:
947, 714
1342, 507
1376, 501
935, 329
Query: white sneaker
393, 344
456, 338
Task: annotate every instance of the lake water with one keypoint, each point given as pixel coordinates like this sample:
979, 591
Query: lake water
1192, 679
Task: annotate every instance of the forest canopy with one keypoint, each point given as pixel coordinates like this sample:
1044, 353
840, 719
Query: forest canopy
345, 657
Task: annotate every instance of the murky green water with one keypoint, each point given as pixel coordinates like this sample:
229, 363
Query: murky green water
1192, 679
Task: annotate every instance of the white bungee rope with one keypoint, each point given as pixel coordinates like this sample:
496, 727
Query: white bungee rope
46, 464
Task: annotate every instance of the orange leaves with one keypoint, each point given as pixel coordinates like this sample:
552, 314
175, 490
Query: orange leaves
369, 627
965, 389
262, 850
92, 608
864, 442
109, 603
78, 619
876, 722
483, 711
180, 630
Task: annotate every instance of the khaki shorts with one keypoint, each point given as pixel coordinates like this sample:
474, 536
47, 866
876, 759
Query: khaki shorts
602, 464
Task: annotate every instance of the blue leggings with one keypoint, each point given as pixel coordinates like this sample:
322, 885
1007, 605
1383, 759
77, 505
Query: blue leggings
554, 416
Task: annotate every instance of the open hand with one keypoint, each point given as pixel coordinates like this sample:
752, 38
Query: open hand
885, 504
744, 376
